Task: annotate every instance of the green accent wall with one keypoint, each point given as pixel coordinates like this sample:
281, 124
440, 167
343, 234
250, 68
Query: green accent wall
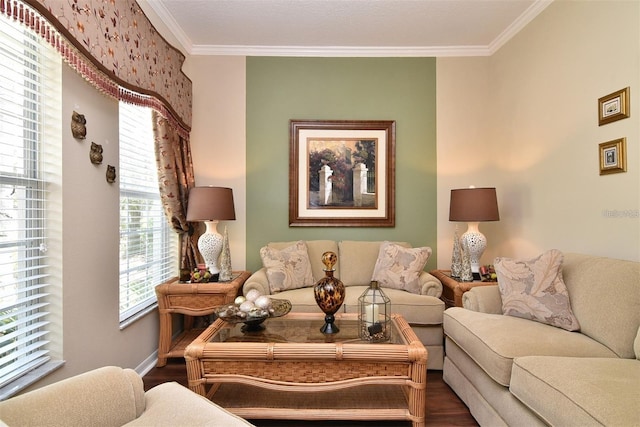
280, 89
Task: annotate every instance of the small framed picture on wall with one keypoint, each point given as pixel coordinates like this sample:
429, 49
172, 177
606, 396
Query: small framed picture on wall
613, 107
613, 156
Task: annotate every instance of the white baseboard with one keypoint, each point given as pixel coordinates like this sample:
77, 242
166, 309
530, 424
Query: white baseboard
147, 364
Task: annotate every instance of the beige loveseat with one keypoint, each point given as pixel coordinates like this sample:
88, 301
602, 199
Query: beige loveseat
113, 396
355, 266
512, 371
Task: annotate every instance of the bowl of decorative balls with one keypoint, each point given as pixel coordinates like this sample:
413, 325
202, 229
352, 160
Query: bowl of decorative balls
253, 309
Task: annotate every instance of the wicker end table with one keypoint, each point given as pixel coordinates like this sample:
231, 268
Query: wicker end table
190, 299
290, 370
452, 290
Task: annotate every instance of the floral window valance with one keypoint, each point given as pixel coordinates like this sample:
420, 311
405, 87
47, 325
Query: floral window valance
120, 42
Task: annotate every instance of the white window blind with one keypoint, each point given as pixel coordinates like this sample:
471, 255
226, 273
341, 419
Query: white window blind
148, 254
30, 99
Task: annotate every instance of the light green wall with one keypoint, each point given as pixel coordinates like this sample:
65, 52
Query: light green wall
280, 89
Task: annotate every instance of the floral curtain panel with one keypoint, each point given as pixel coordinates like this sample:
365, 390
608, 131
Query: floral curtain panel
175, 173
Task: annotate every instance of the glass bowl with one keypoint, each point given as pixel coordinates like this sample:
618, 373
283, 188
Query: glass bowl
231, 313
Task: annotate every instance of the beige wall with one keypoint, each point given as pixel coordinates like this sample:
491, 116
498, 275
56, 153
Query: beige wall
531, 131
218, 137
90, 222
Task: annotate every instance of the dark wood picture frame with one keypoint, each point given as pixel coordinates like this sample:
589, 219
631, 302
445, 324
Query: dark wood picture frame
342, 173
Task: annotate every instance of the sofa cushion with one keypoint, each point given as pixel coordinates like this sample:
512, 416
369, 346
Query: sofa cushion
605, 296
287, 268
579, 391
490, 403
494, 340
416, 309
358, 259
398, 267
315, 249
533, 289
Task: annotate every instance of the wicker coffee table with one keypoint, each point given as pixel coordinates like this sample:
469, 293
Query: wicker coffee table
290, 370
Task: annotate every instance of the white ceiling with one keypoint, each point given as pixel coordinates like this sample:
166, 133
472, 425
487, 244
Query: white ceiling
345, 27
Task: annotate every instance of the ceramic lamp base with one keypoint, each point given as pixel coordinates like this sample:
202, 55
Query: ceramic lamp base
210, 246
475, 242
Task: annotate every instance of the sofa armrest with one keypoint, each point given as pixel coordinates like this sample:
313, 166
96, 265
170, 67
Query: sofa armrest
485, 299
430, 285
259, 281
106, 396
171, 404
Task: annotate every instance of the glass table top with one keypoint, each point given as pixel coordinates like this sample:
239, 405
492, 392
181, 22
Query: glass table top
293, 329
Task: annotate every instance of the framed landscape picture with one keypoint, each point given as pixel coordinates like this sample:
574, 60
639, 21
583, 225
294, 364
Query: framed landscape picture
342, 173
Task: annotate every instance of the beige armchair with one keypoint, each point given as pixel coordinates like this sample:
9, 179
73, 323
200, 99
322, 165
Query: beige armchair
113, 396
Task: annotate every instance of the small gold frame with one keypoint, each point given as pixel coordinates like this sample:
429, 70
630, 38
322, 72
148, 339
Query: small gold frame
613, 107
613, 157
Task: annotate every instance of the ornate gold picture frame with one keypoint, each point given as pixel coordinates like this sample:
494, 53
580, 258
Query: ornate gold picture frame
613, 157
613, 107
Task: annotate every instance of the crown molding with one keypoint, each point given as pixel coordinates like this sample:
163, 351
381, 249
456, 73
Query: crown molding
348, 51
516, 26
341, 51
172, 25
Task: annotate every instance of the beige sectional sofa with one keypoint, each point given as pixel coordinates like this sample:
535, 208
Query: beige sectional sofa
112, 396
513, 371
355, 266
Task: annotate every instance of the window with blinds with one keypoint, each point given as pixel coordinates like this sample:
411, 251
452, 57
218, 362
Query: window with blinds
30, 153
148, 245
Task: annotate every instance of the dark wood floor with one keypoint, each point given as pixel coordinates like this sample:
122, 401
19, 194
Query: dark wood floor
444, 408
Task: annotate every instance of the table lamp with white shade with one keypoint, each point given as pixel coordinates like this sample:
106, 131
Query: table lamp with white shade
474, 205
211, 204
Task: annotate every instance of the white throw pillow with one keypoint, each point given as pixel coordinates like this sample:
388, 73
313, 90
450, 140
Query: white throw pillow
534, 289
398, 267
288, 268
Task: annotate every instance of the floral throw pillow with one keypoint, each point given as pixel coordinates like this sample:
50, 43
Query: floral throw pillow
288, 268
534, 290
398, 267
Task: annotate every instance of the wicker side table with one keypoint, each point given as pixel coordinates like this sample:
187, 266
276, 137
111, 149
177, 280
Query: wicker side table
452, 290
190, 299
